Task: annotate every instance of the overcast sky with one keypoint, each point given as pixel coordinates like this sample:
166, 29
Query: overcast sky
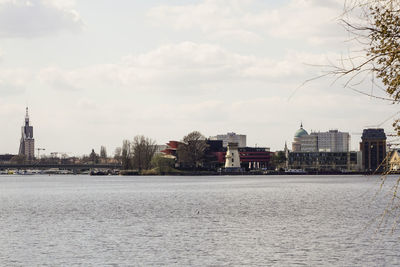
95, 72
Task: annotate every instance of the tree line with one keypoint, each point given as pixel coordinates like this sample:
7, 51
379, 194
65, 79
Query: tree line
140, 154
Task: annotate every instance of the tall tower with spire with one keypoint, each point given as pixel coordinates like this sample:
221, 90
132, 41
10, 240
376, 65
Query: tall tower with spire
27, 144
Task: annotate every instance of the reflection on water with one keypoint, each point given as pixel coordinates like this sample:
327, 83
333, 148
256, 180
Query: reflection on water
194, 221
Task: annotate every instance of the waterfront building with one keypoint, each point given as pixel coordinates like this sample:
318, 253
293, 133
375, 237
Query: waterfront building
232, 159
240, 139
27, 143
171, 149
331, 141
325, 161
255, 157
373, 147
250, 157
215, 155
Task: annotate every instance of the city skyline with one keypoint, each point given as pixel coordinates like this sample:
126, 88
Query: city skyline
329, 141
94, 73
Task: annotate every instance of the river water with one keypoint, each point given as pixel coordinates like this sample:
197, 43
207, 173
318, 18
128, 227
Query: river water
195, 221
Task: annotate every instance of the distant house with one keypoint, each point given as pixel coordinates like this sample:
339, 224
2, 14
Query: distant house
394, 161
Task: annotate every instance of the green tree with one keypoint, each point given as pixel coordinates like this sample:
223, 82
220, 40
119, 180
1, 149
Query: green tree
375, 26
278, 160
162, 164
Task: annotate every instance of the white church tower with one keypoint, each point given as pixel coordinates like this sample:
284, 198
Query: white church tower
232, 159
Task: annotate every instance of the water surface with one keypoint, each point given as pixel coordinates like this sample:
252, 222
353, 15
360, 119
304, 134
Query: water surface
194, 221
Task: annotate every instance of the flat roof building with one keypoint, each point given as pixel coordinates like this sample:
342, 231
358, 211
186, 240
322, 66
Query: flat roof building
230, 138
373, 147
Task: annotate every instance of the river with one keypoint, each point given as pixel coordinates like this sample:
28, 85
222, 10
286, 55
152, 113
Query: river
195, 221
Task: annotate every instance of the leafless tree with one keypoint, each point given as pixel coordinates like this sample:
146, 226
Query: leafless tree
94, 157
118, 154
143, 149
103, 152
126, 155
192, 149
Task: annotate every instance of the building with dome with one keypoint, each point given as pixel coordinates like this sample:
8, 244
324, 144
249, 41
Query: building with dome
330, 141
322, 151
304, 142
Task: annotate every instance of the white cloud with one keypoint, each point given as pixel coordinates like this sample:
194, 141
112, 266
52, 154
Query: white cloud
59, 80
237, 74
314, 21
182, 67
33, 18
14, 81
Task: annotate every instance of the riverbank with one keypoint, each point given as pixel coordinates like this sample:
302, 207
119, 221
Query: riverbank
173, 172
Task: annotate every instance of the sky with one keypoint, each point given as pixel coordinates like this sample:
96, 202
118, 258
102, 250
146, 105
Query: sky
96, 72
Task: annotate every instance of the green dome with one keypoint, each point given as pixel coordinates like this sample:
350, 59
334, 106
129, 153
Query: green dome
300, 132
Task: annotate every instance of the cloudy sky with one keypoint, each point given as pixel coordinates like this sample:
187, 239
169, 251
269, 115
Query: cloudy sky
95, 72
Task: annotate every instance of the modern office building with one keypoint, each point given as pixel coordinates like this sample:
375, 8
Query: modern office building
255, 157
325, 161
27, 143
231, 138
333, 141
309, 143
373, 148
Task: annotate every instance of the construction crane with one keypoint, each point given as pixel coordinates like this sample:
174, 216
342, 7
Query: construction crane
38, 151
